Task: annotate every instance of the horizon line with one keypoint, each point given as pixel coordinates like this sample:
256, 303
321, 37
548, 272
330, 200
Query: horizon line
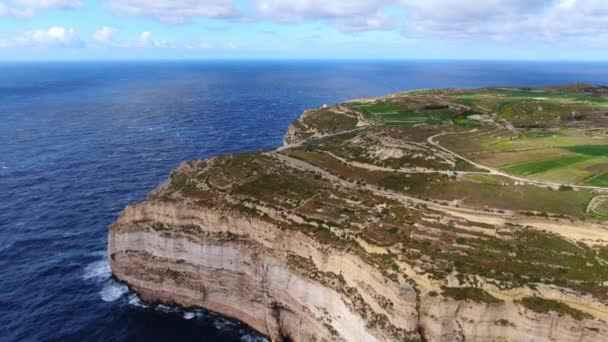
235, 59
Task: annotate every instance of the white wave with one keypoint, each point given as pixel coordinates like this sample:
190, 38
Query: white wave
135, 301
221, 323
166, 309
253, 338
189, 315
98, 270
112, 291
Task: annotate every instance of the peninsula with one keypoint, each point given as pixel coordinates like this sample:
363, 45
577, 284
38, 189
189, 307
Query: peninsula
428, 215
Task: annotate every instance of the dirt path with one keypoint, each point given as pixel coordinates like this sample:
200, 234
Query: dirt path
596, 202
590, 233
316, 137
410, 170
496, 172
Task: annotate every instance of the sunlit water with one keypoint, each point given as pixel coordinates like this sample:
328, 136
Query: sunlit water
80, 141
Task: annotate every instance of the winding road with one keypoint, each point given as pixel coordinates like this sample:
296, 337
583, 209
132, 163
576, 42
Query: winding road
497, 172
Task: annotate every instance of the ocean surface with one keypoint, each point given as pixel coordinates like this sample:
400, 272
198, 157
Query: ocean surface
79, 141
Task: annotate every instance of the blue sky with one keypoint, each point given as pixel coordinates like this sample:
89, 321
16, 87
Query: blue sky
304, 29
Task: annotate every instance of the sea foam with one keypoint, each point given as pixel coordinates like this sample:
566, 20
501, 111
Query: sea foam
98, 270
112, 291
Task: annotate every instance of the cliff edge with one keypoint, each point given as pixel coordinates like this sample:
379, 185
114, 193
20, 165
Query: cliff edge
399, 218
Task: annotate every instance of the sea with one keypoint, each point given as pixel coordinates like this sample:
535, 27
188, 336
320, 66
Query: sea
81, 140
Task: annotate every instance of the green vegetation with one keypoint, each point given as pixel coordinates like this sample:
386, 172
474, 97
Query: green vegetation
545, 306
327, 121
544, 165
470, 293
598, 180
541, 134
465, 122
488, 179
407, 114
590, 150
376, 191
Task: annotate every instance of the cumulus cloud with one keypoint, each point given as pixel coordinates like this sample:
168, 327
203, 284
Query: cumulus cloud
505, 19
362, 15
105, 34
146, 41
56, 36
27, 8
48, 3
450, 19
576, 19
173, 11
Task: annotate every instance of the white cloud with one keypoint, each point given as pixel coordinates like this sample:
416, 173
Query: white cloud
56, 36
144, 38
27, 8
173, 11
48, 3
506, 19
359, 15
146, 41
451, 19
105, 35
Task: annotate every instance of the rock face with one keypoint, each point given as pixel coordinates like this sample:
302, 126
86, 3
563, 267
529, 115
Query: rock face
242, 269
304, 245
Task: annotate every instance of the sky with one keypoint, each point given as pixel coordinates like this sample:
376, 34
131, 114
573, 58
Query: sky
574, 30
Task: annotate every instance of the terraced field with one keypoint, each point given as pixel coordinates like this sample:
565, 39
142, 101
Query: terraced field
410, 114
570, 156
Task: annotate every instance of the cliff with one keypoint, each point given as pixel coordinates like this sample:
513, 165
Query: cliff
359, 230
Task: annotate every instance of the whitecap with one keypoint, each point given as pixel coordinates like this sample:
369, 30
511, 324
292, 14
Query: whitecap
189, 315
98, 270
253, 338
165, 308
135, 301
112, 291
222, 323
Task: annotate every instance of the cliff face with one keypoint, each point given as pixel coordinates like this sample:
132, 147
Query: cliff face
254, 272
359, 233
281, 283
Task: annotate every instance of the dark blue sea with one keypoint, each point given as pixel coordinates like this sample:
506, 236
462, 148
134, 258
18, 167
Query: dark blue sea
79, 141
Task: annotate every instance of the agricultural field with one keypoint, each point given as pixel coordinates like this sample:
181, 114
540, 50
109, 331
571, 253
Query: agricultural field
552, 134
410, 114
570, 156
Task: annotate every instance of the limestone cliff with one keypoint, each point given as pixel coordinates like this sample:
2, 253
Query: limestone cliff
366, 233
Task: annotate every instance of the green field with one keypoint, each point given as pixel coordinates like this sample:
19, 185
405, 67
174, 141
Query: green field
598, 180
406, 114
542, 134
590, 150
462, 121
535, 167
